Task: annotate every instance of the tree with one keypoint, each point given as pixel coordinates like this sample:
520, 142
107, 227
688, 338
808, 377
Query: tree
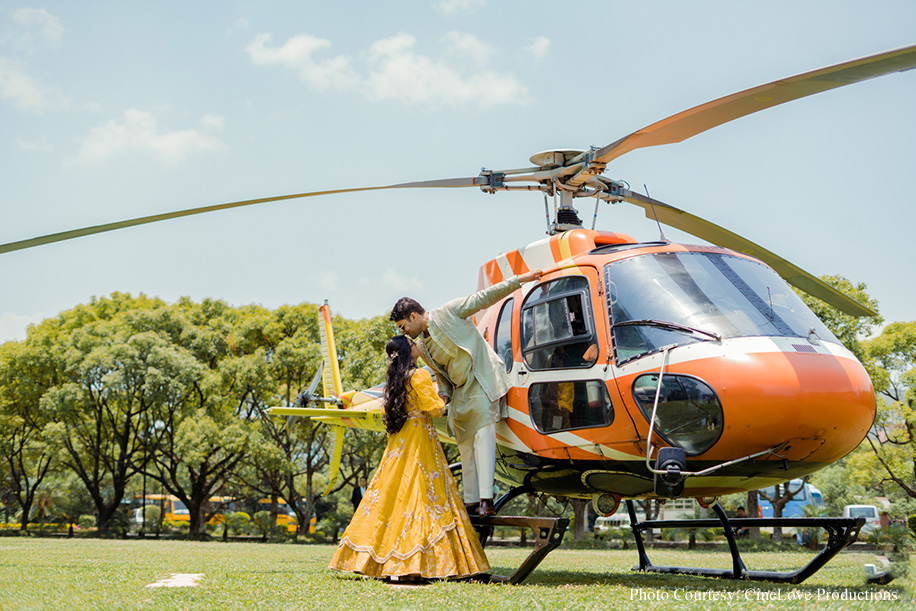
361, 350
849, 329
651, 508
753, 510
893, 438
200, 433
287, 341
69, 499
27, 460
580, 517
26, 455
782, 494
89, 375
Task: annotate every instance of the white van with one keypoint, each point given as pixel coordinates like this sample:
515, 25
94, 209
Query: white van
869, 512
605, 523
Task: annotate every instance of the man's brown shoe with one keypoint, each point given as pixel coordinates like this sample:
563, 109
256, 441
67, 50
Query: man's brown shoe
472, 508
486, 508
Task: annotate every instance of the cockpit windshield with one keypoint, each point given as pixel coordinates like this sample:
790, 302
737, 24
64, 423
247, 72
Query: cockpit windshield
669, 298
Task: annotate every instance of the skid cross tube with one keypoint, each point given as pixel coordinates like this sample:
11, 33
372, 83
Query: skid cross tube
841, 531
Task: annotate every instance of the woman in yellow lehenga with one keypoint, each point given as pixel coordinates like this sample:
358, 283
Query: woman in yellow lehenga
411, 522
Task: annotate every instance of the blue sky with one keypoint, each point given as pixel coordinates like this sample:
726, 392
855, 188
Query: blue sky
112, 110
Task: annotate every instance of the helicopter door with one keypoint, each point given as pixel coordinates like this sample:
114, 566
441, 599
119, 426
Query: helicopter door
563, 346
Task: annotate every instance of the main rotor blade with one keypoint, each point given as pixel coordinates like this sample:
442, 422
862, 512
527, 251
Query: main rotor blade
714, 234
698, 119
475, 181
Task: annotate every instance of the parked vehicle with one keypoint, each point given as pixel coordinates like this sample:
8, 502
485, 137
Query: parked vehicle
286, 517
795, 508
869, 512
604, 524
173, 510
672, 509
807, 496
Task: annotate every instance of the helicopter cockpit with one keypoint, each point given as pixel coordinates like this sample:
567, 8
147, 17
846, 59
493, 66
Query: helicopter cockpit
700, 296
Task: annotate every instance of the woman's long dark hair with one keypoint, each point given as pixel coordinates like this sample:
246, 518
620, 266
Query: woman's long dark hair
397, 381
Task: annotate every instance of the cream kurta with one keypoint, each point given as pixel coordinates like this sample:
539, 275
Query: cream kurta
470, 408
468, 370
412, 521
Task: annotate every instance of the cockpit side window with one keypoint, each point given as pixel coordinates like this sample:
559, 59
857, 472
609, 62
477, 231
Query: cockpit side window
502, 340
563, 406
557, 328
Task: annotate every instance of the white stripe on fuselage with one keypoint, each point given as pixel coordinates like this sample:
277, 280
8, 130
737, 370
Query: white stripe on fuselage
566, 438
737, 348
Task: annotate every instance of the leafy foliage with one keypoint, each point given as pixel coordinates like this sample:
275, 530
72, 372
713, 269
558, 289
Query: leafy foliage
126, 386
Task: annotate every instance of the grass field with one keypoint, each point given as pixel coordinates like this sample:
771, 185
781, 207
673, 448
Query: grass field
61, 574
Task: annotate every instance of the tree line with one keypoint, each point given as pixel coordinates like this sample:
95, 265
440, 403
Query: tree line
124, 387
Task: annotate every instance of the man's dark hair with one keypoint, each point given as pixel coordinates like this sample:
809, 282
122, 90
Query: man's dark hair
404, 307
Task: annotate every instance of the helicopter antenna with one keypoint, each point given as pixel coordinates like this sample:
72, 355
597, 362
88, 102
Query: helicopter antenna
660, 232
597, 201
547, 213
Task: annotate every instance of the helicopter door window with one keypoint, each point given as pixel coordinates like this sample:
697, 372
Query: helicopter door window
502, 341
561, 406
557, 329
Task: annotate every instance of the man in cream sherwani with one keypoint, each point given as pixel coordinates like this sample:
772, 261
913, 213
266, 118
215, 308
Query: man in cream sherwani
471, 377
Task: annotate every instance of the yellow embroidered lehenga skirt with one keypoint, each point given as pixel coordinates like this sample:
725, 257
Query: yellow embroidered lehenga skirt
412, 520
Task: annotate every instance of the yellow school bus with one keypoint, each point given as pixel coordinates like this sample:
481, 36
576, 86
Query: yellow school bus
174, 510
286, 517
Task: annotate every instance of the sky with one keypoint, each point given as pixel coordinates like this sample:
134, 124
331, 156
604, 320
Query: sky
113, 110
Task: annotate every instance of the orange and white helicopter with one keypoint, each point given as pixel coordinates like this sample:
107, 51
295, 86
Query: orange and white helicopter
648, 369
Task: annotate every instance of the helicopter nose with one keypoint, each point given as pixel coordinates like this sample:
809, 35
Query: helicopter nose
819, 403
815, 402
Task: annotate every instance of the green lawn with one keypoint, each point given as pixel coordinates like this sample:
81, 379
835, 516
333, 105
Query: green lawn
61, 574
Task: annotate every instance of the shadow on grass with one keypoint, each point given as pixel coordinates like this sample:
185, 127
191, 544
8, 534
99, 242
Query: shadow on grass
546, 578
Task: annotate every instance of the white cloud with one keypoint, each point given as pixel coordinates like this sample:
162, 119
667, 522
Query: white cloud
32, 29
467, 45
214, 122
394, 71
41, 145
396, 282
539, 48
24, 92
240, 25
296, 55
450, 7
397, 73
137, 131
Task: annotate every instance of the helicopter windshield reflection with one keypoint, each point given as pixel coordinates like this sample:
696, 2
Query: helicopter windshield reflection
713, 292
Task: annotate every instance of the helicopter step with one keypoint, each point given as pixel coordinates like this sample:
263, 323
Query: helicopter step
842, 532
549, 531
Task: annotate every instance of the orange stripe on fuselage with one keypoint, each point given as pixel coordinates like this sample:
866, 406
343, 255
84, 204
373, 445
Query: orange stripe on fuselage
494, 274
555, 248
517, 263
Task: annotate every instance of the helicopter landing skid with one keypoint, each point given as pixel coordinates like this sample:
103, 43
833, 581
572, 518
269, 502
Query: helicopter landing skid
841, 531
549, 531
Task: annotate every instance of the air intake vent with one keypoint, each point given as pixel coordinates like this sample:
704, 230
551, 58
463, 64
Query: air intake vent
804, 348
